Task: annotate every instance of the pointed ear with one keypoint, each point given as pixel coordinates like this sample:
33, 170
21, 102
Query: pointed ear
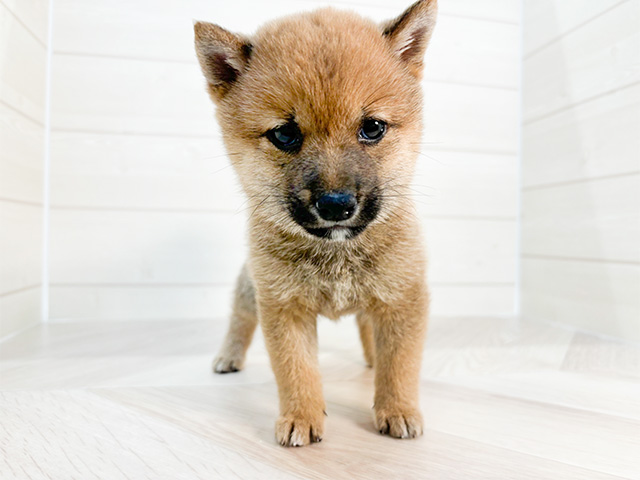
409, 34
223, 56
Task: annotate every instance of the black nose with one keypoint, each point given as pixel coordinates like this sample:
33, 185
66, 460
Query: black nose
336, 206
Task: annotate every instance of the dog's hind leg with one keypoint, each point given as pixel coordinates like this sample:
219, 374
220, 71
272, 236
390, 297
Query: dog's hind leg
365, 325
244, 320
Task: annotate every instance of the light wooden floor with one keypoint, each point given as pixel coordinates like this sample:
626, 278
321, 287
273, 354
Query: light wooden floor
137, 400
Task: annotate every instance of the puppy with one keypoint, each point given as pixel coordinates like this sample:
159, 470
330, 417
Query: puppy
321, 115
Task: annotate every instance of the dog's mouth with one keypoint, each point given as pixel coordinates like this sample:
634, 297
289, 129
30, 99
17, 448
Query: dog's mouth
336, 232
310, 218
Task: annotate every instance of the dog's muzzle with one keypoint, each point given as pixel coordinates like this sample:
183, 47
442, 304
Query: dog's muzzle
335, 215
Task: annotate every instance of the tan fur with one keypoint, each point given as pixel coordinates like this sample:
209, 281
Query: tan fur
329, 69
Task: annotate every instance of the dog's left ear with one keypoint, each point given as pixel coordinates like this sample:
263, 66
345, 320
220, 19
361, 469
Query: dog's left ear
223, 56
409, 34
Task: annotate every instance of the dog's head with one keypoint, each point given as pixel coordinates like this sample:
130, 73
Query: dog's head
321, 114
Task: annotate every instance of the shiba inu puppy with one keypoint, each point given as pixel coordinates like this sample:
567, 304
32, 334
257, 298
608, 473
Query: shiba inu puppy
321, 113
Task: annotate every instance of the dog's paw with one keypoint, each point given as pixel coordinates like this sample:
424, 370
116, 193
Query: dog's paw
227, 363
398, 422
299, 430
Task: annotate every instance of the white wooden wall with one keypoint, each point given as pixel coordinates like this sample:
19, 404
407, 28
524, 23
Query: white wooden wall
581, 164
147, 220
23, 51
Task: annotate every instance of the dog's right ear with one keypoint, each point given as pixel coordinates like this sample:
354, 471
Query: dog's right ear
409, 34
223, 56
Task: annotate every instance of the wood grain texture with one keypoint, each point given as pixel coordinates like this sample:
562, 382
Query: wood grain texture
124, 95
581, 164
469, 299
23, 67
554, 19
487, 60
593, 139
131, 29
139, 172
597, 219
470, 118
580, 65
594, 296
115, 95
135, 150
19, 309
504, 11
23, 26
470, 251
155, 247
169, 265
163, 34
87, 301
142, 301
32, 14
502, 399
20, 245
21, 157
97, 246
589, 354
465, 184
142, 172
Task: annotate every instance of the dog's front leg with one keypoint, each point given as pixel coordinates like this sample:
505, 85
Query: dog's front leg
291, 338
399, 333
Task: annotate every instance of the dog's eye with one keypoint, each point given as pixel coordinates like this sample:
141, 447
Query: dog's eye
287, 137
372, 130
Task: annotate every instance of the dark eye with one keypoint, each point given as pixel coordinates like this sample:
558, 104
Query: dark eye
372, 130
287, 137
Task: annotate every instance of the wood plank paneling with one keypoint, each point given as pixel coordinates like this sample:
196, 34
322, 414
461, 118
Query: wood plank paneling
597, 219
133, 130
581, 165
152, 97
485, 53
141, 302
465, 184
23, 67
581, 65
109, 28
470, 250
123, 95
89, 246
91, 302
507, 11
19, 310
33, 14
596, 296
131, 29
127, 171
468, 300
470, 118
21, 153
161, 247
20, 245
498, 10
553, 19
590, 140
23, 28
